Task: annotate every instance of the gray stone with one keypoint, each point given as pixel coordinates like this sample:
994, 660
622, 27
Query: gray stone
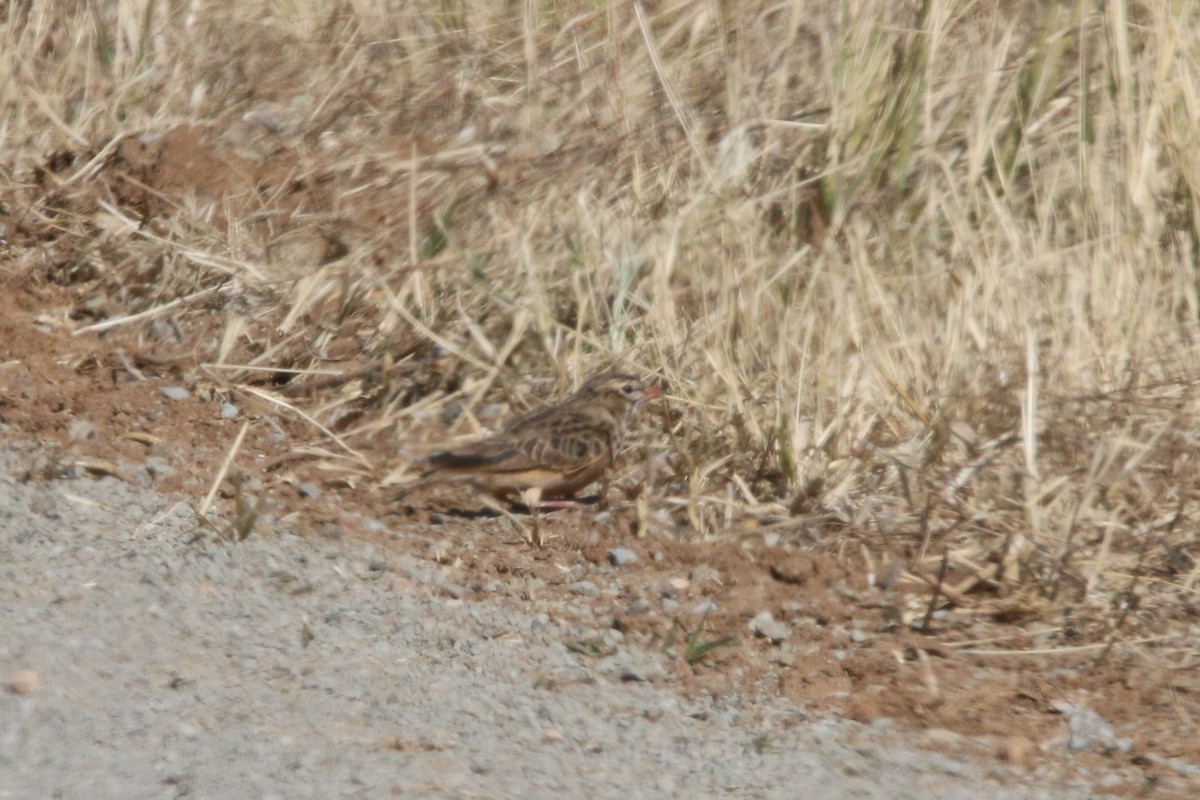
766, 626
80, 429
585, 589
1088, 730
621, 556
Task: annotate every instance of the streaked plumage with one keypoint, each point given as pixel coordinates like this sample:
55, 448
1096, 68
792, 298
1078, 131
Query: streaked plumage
551, 453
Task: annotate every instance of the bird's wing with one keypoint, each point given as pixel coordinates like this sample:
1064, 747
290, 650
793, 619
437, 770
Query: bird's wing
569, 452
485, 454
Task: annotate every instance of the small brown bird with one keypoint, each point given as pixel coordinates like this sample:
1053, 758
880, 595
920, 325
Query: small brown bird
550, 453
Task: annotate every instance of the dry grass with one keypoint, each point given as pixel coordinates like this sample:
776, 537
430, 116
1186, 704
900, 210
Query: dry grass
921, 276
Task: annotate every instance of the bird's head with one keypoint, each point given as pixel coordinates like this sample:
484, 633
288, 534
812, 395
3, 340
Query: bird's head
621, 394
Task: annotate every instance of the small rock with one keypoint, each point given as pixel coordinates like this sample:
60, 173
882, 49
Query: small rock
858, 637
229, 411
1088, 730
187, 730
634, 665
174, 392
1177, 764
768, 627
329, 530
707, 607
1018, 751
585, 589
943, 738
309, 490
158, 467
24, 681
622, 556
451, 589
80, 429
794, 569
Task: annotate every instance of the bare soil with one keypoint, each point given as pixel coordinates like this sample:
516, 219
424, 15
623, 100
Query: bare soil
93, 402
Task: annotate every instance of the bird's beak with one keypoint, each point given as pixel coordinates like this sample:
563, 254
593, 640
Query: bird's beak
652, 393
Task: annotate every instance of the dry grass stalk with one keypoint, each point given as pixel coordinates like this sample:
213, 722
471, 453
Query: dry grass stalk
921, 278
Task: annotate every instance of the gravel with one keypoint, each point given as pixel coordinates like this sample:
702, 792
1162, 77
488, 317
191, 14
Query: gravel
622, 556
146, 659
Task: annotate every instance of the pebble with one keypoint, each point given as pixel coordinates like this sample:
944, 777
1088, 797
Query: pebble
622, 556
229, 411
1088, 730
585, 589
24, 681
158, 467
943, 738
80, 429
633, 665
858, 637
768, 627
708, 606
451, 589
1018, 751
174, 392
309, 490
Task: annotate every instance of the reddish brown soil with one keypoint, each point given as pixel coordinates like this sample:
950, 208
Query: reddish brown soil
846, 655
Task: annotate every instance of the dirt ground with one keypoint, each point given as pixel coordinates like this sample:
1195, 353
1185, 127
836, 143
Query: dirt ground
838, 642
844, 653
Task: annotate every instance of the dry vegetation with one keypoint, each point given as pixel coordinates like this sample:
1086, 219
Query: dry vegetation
920, 276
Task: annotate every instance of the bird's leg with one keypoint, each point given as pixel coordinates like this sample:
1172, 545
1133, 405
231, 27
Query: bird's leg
562, 504
433, 480
532, 497
487, 500
604, 486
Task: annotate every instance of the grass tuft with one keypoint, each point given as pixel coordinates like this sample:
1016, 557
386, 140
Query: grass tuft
921, 277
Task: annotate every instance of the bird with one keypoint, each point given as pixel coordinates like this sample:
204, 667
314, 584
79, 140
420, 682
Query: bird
551, 453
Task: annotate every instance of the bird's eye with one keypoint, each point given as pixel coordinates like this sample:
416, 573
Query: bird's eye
629, 388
